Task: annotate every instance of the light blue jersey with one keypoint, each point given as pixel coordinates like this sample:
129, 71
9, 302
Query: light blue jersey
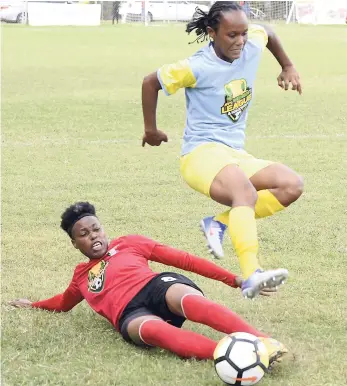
218, 93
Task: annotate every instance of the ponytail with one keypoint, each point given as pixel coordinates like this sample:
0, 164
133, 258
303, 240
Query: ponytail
201, 20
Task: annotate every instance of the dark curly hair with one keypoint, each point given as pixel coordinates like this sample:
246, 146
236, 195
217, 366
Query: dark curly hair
201, 20
74, 213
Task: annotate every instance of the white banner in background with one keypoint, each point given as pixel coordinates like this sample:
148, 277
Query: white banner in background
43, 14
332, 12
321, 11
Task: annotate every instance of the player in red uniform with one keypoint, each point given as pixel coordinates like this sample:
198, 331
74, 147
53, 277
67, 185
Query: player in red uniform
146, 307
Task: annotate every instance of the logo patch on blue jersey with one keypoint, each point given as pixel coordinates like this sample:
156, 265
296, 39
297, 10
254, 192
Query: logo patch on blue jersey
237, 98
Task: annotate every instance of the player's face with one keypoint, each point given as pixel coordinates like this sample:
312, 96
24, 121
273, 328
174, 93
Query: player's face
231, 35
89, 237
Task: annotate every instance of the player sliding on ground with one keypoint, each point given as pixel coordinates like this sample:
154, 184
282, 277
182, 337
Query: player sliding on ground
219, 87
146, 307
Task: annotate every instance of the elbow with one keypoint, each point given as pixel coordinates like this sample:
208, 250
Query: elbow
66, 309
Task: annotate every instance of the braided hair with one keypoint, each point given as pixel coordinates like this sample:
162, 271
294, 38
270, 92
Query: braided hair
201, 20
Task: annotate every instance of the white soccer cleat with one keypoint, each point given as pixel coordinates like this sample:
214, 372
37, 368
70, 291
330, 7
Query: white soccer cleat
214, 232
263, 279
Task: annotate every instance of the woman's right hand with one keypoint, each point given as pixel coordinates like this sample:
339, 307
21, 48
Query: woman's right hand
154, 138
20, 303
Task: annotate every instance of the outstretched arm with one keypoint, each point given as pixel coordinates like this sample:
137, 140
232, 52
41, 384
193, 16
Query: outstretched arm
169, 78
60, 303
289, 73
180, 259
150, 89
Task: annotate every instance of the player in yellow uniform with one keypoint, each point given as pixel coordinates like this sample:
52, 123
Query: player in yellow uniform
219, 88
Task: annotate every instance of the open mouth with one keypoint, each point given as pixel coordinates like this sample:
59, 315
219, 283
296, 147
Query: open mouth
96, 246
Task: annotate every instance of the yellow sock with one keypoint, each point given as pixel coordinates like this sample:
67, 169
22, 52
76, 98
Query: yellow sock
266, 205
243, 233
223, 217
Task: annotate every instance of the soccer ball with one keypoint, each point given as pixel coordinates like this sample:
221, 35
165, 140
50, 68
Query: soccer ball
241, 359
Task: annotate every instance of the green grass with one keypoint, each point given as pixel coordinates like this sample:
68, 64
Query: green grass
72, 127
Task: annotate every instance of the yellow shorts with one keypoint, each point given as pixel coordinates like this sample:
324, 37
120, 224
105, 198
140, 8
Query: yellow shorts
200, 167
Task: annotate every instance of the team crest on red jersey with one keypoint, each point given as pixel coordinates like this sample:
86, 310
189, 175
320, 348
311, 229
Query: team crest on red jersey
96, 277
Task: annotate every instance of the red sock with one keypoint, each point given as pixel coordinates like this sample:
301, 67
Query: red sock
186, 344
201, 310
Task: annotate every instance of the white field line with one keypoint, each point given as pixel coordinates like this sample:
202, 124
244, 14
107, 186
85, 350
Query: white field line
45, 142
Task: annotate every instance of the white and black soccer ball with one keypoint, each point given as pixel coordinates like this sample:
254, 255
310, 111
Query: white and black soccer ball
241, 359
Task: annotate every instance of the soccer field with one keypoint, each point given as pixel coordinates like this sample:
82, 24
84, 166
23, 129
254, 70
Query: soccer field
72, 129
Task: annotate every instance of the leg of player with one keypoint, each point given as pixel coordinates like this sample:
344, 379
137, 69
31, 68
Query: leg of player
277, 185
282, 182
231, 187
188, 302
153, 331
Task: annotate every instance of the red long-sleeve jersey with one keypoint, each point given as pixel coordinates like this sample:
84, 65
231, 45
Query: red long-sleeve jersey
108, 284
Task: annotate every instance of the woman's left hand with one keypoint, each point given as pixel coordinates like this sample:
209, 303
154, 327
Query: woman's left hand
287, 76
268, 291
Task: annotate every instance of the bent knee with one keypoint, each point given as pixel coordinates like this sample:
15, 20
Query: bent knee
294, 188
